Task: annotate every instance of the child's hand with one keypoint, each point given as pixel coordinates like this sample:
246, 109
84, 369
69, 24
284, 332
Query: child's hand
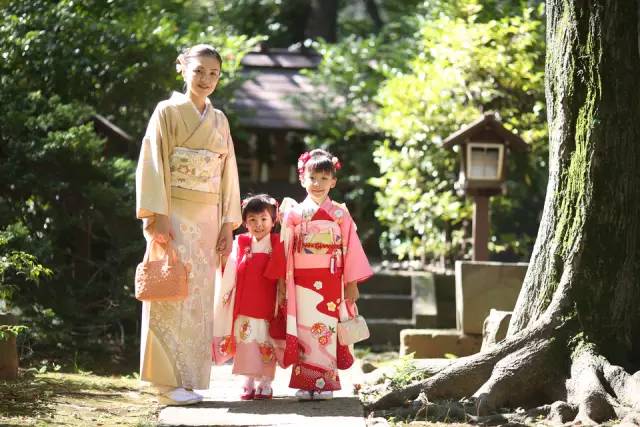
351, 291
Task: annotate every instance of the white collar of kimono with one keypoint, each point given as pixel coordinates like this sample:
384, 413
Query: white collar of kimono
308, 203
261, 246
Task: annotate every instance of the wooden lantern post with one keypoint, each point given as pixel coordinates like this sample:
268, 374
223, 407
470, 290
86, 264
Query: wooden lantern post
483, 153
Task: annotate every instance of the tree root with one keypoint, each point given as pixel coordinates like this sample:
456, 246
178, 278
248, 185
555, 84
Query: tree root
523, 371
467, 374
524, 377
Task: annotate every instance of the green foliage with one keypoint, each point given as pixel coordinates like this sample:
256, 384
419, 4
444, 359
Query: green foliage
462, 68
17, 268
390, 97
282, 21
117, 56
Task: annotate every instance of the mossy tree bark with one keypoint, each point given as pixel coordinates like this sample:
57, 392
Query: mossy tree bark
575, 332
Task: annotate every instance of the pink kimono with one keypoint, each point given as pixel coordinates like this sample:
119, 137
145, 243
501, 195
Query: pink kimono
323, 254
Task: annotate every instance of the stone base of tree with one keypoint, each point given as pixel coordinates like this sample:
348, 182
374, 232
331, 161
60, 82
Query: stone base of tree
435, 343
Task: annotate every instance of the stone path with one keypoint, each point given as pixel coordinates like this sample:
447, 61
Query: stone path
222, 407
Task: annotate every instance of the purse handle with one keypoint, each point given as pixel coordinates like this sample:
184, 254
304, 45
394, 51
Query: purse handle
170, 254
350, 313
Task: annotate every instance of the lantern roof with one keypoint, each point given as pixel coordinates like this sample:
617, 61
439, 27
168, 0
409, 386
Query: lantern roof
488, 128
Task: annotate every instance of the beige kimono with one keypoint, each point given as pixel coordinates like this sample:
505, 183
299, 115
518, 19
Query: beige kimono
187, 170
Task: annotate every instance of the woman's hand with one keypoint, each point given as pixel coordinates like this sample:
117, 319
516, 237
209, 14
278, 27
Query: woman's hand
160, 229
225, 240
351, 291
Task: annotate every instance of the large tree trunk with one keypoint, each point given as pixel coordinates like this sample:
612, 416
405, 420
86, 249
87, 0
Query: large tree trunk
577, 316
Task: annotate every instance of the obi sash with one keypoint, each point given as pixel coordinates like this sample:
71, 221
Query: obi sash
195, 174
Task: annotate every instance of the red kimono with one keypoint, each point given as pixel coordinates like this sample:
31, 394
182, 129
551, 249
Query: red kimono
245, 303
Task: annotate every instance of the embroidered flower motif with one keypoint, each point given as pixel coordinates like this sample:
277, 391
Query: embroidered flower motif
331, 306
245, 330
297, 370
226, 345
320, 383
266, 352
226, 298
317, 284
323, 340
318, 329
338, 213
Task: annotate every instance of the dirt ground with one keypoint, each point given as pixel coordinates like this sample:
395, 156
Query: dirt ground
74, 400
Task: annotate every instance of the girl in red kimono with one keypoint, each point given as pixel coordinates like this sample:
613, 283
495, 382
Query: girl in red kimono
245, 302
325, 261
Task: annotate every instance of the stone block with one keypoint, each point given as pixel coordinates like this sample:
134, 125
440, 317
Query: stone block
385, 333
424, 295
436, 343
481, 286
387, 282
385, 306
495, 328
434, 300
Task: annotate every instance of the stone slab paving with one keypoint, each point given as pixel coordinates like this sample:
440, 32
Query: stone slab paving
222, 406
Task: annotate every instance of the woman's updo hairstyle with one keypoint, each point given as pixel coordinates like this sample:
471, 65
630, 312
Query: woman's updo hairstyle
195, 51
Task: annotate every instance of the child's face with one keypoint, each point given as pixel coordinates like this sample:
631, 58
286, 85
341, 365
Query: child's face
318, 184
259, 224
201, 75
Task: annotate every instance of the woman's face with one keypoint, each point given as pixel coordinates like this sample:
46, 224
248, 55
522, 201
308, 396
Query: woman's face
201, 75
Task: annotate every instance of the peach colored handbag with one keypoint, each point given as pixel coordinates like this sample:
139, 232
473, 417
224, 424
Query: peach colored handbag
162, 280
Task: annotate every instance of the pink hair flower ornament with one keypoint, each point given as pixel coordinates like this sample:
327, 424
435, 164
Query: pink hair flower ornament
336, 163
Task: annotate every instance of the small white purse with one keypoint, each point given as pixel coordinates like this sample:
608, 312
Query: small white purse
352, 327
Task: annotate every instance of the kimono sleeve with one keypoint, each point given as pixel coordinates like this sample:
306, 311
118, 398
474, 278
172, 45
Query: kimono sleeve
277, 266
223, 346
151, 180
356, 266
229, 184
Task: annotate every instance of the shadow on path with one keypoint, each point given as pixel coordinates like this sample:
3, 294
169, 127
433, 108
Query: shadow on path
222, 406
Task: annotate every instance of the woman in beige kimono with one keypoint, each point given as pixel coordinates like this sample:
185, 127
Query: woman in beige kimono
188, 195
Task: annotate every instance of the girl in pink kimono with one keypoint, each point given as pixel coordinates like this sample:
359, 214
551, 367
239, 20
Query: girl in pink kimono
245, 299
325, 261
187, 196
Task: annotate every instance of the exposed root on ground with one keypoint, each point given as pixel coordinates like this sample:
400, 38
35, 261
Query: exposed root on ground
466, 375
525, 371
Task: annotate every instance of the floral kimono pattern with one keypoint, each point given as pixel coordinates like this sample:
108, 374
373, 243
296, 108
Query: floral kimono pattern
323, 254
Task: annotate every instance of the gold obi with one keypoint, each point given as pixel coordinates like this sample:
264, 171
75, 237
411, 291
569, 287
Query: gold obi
195, 175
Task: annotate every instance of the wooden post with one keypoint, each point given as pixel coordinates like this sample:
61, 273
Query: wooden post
481, 228
8, 351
